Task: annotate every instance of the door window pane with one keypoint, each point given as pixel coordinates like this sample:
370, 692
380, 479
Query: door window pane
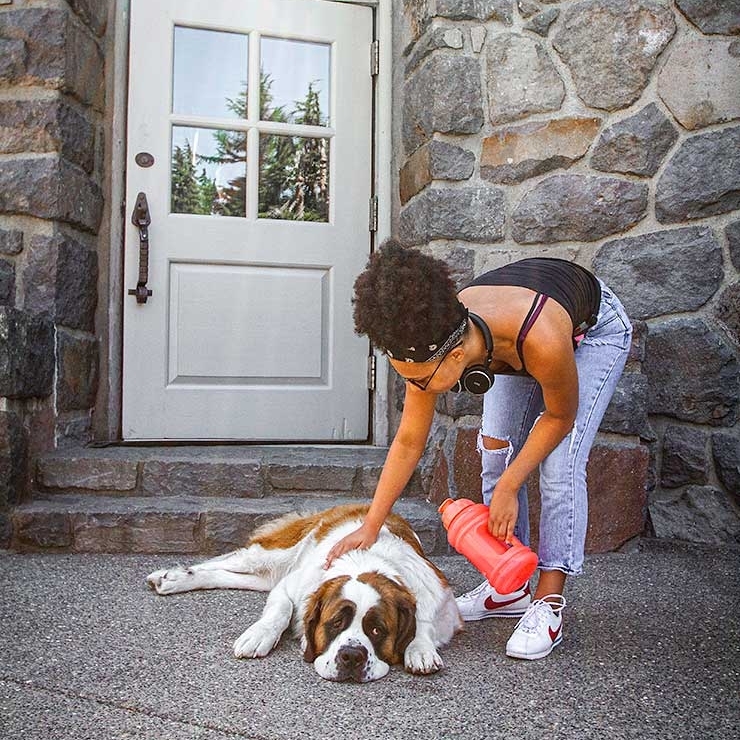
294, 81
210, 73
294, 178
209, 171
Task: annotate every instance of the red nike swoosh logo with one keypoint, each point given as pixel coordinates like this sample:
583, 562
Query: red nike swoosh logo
554, 633
489, 603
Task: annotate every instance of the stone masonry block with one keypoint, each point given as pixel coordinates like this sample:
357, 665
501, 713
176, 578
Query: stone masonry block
521, 79
77, 371
7, 283
514, 154
727, 310
47, 126
26, 355
627, 411
227, 531
13, 458
541, 23
695, 98
466, 463
702, 178
12, 57
93, 13
443, 96
685, 459
578, 207
199, 478
478, 10
71, 472
11, 241
469, 214
662, 272
436, 160
612, 46
636, 145
713, 16
47, 47
311, 477
697, 514
693, 373
61, 277
73, 431
50, 188
732, 232
137, 532
41, 530
460, 404
438, 37
726, 456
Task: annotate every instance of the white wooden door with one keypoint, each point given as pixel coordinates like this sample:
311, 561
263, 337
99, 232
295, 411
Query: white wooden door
249, 132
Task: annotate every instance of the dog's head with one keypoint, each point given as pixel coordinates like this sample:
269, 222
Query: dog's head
356, 628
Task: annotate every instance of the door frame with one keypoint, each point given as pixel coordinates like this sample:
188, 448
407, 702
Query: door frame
110, 396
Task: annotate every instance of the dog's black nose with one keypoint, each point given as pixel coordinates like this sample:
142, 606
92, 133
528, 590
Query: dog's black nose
350, 662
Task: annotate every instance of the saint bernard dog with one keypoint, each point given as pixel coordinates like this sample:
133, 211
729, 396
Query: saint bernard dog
369, 610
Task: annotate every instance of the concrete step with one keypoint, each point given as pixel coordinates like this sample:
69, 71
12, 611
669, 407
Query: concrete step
241, 471
202, 525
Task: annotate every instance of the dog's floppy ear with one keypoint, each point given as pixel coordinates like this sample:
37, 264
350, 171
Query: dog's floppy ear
310, 622
406, 606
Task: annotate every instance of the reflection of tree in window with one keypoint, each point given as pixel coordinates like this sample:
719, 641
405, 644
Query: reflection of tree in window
185, 190
191, 193
294, 170
305, 192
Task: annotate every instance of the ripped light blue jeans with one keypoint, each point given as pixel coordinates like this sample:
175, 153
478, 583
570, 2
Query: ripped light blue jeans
512, 407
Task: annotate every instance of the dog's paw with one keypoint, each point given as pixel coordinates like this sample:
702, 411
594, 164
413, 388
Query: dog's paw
422, 658
256, 642
169, 581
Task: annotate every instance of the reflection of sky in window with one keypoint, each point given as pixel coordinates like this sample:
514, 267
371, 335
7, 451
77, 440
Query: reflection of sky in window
292, 67
203, 143
209, 67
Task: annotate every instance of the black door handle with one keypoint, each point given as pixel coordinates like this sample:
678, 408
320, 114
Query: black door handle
141, 219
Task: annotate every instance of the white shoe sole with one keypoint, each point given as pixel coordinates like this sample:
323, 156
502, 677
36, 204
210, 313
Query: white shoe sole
493, 614
536, 656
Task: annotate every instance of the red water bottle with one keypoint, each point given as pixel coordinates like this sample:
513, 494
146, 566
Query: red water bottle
506, 567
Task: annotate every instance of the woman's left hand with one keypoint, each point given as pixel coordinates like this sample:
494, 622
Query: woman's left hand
502, 514
362, 538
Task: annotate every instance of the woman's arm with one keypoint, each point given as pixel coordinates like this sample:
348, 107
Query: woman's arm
551, 363
403, 457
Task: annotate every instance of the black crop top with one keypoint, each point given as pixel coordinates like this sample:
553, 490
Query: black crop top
572, 286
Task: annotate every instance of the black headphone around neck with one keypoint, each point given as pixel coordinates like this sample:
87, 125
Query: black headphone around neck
478, 379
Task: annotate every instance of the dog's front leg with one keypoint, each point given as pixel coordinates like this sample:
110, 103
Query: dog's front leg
265, 633
421, 655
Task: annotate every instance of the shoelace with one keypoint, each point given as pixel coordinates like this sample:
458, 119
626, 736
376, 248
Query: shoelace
536, 615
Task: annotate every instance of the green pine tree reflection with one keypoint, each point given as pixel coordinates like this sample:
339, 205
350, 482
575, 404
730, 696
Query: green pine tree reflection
294, 170
186, 190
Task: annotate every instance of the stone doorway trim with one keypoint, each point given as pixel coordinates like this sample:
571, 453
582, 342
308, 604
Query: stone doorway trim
107, 417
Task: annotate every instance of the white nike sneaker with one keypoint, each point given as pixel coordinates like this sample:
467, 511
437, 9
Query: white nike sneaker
539, 630
484, 601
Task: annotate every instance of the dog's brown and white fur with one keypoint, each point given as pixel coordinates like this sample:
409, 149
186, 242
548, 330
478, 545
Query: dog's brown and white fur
371, 609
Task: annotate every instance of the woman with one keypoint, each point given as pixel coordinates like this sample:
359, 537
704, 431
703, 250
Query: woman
556, 339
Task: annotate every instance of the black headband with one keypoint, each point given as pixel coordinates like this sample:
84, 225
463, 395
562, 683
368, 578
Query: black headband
433, 350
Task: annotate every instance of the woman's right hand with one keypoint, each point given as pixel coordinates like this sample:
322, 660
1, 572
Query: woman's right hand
360, 539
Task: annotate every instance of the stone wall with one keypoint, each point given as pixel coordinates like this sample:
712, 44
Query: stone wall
52, 104
605, 132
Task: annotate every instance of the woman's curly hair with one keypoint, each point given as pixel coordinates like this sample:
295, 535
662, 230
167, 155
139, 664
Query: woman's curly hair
405, 298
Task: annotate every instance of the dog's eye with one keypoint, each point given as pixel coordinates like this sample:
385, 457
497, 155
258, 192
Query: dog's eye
337, 622
377, 631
